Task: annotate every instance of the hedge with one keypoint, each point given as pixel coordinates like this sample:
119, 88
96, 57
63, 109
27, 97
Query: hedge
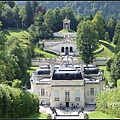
17, 103
108, 102
118, 83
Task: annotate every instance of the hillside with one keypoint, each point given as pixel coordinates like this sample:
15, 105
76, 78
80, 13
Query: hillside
16, 32
21, 34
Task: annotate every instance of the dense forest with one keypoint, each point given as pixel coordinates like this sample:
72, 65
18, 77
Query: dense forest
85, 8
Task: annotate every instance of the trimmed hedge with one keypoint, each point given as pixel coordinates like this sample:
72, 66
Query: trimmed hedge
108, 102
17, 103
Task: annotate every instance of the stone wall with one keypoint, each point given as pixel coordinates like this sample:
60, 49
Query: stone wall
100, 61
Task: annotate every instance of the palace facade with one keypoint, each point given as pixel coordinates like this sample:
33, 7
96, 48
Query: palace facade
67, 83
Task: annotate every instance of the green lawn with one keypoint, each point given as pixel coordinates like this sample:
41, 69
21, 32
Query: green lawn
108, 49
100, 115
16, 32
93, 115
66, 31
38, 116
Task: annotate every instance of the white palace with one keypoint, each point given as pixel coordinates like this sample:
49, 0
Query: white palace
67, 83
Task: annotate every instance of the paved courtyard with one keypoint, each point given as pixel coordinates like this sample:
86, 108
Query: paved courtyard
67, 114
67, 117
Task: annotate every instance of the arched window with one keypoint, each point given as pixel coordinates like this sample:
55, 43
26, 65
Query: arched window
71, 49
62, 49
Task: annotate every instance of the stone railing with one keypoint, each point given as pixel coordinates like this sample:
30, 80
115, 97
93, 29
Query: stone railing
100, 61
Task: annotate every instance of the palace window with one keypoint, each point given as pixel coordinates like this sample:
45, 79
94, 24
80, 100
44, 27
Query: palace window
56, 95
42, 92
77, 95
91, 91
67, 96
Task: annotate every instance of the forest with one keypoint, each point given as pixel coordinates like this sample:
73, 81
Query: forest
85, 8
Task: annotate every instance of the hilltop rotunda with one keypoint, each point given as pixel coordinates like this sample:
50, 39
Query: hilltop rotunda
66, 24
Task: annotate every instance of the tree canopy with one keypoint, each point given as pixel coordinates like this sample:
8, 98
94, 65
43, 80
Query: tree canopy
99, 22
87, 38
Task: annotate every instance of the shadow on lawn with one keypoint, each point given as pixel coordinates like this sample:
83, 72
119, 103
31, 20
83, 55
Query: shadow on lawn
6, 32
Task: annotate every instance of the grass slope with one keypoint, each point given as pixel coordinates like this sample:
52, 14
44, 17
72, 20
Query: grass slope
108, 50
100, 115
97, 48
19, 33
23, 35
